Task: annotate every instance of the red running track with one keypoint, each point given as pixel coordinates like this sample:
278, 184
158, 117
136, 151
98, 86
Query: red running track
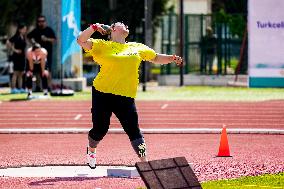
252, 154
71, 183
152, 114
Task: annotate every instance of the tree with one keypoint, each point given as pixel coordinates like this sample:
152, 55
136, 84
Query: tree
16, 11
230, 6
233, 13
131, 12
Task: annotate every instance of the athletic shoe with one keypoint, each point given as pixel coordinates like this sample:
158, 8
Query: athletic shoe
91, 159
15, 91
45, 93
22, 90
30, 96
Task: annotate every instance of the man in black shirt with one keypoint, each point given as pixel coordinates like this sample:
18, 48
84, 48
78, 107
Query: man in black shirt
45, 36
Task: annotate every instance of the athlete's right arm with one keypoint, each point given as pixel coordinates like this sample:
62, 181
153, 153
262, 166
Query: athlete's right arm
84, 37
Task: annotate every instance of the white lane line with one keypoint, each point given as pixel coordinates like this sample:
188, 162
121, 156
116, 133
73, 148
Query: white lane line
146, 131
164, 106
78, 116
70, 171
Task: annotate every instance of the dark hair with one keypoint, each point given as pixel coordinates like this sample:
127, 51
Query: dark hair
36, 46
41, 16
19, 27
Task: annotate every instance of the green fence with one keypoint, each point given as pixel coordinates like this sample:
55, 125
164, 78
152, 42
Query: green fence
218, 54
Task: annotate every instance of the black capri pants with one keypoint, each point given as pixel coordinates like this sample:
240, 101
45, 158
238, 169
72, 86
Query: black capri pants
37, 70
103, 105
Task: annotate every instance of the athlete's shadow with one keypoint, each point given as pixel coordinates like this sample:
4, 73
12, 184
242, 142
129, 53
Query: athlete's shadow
52, 181
18, 99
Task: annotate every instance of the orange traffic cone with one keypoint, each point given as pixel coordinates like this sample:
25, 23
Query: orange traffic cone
224, 150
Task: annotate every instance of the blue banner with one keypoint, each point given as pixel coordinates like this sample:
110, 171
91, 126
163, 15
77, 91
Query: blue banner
70, 28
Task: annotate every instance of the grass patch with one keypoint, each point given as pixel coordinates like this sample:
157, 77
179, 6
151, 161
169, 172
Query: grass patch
205, 93
191, 93
269, 181
84, 95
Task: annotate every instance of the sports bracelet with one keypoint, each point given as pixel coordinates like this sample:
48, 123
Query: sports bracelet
94, 27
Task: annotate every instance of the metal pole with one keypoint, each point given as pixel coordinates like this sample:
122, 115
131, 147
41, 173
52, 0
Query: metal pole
61, 76
181, 42
144, 74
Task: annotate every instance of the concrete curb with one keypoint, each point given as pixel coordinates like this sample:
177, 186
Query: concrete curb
71, 171
145, 131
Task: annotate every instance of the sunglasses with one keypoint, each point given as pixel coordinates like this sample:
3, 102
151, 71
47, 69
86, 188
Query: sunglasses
40, 21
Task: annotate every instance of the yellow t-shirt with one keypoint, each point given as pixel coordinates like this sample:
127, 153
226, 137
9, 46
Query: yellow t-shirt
119, 66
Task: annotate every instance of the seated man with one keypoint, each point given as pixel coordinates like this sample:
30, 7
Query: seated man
37, 56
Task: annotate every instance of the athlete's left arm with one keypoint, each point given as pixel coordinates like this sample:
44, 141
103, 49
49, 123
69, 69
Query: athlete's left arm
166, 59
